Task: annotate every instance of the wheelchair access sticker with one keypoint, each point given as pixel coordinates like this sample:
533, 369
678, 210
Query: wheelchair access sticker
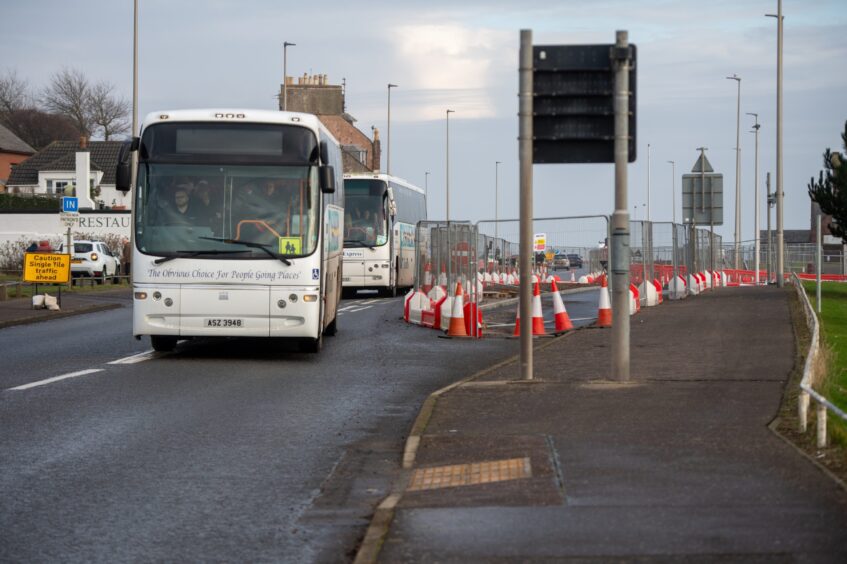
289, 245
316, 273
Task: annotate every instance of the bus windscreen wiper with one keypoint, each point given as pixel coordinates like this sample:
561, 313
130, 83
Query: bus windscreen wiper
348, 243
252, 245
190, 254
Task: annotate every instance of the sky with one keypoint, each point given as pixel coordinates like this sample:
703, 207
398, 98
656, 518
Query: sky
463, 56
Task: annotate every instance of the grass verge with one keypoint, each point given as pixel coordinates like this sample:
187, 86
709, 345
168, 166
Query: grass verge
834, 456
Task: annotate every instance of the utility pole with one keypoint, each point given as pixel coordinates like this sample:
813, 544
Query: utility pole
771, 201
694, 241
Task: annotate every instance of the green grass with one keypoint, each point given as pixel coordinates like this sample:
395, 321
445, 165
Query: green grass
833, 319
81, 285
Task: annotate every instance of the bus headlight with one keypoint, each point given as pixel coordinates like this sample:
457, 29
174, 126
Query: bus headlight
292, 298
281, 304
157, 295
310, 298
169, 302
141, 295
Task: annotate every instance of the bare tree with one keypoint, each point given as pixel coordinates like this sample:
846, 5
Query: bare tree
68, 95
38, 129
14, 95
108, 112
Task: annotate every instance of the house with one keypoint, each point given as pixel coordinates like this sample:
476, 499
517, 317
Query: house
13, 151
52, 170
314, 95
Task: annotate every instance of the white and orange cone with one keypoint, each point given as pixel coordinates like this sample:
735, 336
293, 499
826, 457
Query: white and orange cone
560, 314
457, 315
537, 315
604, 312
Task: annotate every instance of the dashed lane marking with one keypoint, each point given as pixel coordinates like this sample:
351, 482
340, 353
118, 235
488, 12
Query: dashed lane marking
56, 379
140, 357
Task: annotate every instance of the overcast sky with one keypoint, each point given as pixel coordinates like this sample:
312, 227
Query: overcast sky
463, 56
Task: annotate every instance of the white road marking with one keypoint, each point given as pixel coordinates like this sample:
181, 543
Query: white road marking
140, 357
361, 309
57, 378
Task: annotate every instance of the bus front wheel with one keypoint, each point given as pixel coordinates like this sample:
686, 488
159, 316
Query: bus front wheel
163, 343
312, 345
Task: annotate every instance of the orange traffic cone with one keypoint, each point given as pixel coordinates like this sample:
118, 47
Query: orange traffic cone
537, 315
604, 312
457, 316
560, 314
517, 330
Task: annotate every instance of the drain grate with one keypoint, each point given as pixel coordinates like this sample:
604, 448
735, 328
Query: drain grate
469, 474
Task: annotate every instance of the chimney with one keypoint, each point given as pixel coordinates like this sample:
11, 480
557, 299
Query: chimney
377, 150
83, 142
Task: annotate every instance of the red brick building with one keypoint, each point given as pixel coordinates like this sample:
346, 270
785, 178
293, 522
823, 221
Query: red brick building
314, 95
13, 151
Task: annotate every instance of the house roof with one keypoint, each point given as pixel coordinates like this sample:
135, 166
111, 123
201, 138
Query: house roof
61, 156
9, 142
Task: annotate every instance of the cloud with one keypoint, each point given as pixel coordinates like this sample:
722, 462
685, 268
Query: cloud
449, 65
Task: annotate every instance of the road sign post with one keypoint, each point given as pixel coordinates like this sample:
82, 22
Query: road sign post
582, 99
525, 155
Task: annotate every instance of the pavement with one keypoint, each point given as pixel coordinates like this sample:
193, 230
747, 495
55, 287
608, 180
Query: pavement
18, 311
679, 464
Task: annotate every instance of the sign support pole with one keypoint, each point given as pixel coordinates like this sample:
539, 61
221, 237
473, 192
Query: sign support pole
525, 157
620, 259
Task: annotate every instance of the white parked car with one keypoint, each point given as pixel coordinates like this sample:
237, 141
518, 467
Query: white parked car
95, 260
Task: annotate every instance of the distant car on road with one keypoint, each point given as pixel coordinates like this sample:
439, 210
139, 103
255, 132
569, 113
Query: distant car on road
95, 260
561, 261
575, 260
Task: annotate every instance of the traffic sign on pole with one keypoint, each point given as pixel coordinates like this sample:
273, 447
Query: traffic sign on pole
70, 204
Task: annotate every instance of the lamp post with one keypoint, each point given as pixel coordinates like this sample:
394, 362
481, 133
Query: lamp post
648, 181
756, 127
780, 265
737, 78
426, 188
673, 190
285, 46
447, 182
496, 198
388, 140
447, 185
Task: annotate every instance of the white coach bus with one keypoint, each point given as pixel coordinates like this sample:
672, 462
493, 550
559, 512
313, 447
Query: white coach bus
237, 226
381, 212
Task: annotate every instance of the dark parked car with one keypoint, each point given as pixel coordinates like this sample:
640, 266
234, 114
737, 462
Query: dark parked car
576, 260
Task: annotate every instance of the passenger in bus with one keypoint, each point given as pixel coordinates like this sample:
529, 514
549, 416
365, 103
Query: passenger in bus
206, 202
178, 210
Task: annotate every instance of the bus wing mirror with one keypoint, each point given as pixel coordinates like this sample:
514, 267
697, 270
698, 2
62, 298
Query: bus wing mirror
123, 171
324, 153
326, 177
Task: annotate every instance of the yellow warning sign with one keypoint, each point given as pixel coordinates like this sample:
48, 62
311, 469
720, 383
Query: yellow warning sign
47, 268
289, 245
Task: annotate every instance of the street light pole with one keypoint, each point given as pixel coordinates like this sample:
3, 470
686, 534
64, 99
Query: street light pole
673, 190
496, 197
648, 181
426, 188
285, 46
780, 239
757, 244
388, 140
447, 183
737, 78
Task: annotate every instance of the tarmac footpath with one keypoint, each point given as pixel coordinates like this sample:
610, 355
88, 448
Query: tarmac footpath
677, 465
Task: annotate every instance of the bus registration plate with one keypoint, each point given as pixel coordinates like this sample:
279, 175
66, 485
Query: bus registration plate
224, 323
